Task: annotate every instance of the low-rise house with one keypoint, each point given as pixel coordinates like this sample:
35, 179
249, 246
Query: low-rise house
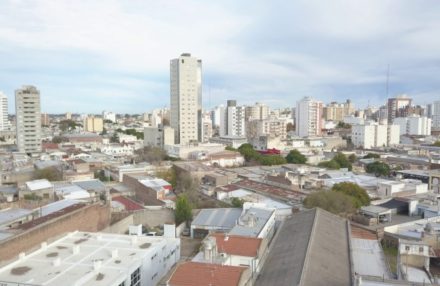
37, 188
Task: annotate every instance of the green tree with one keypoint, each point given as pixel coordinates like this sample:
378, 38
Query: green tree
290, 127
343, 125
68, 124
358, 194
332, 165
436, 143
334, 202
371, 156
295, 157
352, 158
230, 148
183, 211
59, 139
49, 173
378, 168
248, 152
342, 161
237, 202
270, 160
168, 175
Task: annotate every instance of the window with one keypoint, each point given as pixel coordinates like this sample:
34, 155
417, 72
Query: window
136, 278
407, 248
421, 249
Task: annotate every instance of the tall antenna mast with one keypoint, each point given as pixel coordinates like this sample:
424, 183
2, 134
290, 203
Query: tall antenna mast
388, 79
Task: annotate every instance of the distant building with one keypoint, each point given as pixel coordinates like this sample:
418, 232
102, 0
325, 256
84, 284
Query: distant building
308, 118
158, 136
68, 116
337, 111
397, 107
414, 125
108, 115
4, 121
372, 135
436, 114
257, 111
267, 127
93, 124
45, 120
232, 120
186, 98
28, 118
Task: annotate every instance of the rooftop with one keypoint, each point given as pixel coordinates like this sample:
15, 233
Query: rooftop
237, 245
91, 185
36, 185
10, 215
221, 217
89, 258
246, 227
203, 274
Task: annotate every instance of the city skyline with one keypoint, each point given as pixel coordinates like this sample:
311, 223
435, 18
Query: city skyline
84, 61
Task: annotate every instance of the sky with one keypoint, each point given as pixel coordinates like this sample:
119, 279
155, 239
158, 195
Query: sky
90, 56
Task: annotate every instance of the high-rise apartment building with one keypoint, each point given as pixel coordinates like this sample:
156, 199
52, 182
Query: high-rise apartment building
337, 111
398, 107
28, 118
186, 99
93, 124
108, 115
308, 117
371, 135
258, 111
436, 114
232, 120
414, 125
45, 120
4, 121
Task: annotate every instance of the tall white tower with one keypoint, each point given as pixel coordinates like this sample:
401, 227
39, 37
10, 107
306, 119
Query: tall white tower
186, 99
4, 122
308, 117
28, 117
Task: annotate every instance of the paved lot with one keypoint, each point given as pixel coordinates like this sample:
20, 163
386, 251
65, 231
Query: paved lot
189, 247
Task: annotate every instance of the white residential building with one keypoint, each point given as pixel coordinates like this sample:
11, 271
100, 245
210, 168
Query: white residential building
107, 115
232, 120
308, 118
85, 258
374, 135
186, 98
414, 125
257, 111
4, 121
28, 118
216, 114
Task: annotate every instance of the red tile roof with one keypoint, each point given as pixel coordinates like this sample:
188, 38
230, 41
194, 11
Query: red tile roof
237, 245
362, 233
204, 274
129, 205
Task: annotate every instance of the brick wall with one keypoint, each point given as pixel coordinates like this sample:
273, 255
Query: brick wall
89, 218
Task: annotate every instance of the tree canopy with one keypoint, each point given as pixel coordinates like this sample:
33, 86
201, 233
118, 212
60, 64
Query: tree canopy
358, 194
183, 211
334, 202
295, 157
371, 156
250, 154
339, 161
378, 168
49, 173
436, 143
237, 202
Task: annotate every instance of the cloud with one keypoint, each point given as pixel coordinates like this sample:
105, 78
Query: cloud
116, 53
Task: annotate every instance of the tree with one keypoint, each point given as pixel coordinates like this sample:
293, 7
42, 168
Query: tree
237, 202
230, 148
168, 175
352, 158
295, 157
436, 143
371, 156
358, 194
270, 160
378, 169
68, 124
183, 211
332, 165
248, 152
151, 154
101, 176
343, 125
334, 202
342, 161
290, 127
59, 139
49, 173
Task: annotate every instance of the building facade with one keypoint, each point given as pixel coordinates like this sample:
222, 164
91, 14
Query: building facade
436, 114
414, 125
337, 111
257, 111
93, 124
186, 98
158, 136
372, 135
232, 120
398, 107
28, 119
308, 117
4, 121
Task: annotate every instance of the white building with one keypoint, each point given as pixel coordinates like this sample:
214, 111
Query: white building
4, 121
108, 115
83, 258
158, 136
232, 120
308, 118
372, 135
414, 125
257, 111
436, 114
186, 98
117, 150
28, 118
216, 115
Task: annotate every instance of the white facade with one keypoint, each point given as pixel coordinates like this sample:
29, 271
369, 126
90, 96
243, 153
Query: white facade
372, 135
414, 125
117, 150
158, 136
4, 122
186, 98
308, 118
28, 118
257, 111
83, 258
107, 115
216, 114
232, 120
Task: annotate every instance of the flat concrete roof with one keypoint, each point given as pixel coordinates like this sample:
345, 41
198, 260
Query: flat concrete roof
76, 258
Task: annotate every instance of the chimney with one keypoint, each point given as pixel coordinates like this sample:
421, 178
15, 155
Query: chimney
56, 262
